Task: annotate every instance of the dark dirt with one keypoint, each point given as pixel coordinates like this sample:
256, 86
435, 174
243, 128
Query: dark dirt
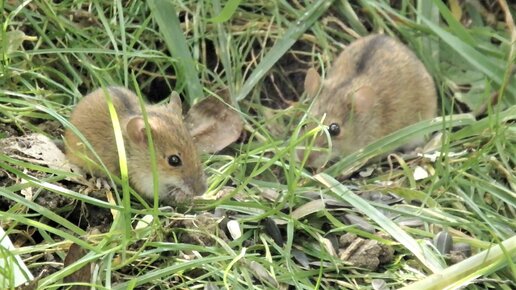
52, 128
8, 130
285, 81
85, 216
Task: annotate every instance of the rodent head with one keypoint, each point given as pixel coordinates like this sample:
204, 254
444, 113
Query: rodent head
180, 172
345, 107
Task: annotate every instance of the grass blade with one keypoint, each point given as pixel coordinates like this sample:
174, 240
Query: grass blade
474, 57
278, 50
420, 251
227, 12
398, 138
461, 274
165, 15
179, 267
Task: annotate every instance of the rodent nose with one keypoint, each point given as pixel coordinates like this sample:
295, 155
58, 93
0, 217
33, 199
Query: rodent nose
201, 187
197, 185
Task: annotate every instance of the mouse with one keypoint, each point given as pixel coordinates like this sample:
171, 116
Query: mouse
179, 167
376, 86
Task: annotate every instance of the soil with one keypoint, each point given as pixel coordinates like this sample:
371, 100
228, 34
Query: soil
8, 130
285, 81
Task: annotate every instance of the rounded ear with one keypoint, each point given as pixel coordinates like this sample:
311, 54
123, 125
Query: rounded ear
363, 99
136, 130
213, 125
175, 103
312, 82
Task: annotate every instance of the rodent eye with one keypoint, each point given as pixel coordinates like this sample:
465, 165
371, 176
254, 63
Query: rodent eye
334, 129
174, 160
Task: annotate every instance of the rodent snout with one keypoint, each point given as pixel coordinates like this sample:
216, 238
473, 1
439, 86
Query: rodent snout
197, 186
184, 192
316, 158
194, 186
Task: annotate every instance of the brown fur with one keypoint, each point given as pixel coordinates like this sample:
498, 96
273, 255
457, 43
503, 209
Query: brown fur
375, 87
91, 117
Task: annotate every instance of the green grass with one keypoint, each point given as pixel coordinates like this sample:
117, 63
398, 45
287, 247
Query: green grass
258, 51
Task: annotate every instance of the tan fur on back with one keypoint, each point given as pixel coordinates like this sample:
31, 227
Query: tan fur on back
91, 117
405, 93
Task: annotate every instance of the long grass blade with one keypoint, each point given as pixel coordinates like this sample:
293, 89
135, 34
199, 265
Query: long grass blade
278, 50
424, 255
166, 17
474, 57
399, 138
227, 12
463, 273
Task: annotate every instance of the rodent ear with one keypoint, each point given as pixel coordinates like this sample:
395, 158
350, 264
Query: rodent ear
312, 82
175, 103
136, 130
363, 99
213, 124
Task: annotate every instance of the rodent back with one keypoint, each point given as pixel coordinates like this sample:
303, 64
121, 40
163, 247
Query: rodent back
180, 176
401, 86
92, 118
374, 87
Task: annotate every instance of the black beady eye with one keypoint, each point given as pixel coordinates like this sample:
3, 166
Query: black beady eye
174, 160
334, 129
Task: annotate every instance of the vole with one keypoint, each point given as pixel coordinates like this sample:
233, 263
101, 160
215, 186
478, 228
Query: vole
180, 172
375, 87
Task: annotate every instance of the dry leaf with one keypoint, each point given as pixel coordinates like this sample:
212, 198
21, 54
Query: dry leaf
145, 222
15, 39
270, 194
308, 208
328, 246
262, 274
379, 284
367, 172
433, 156
83, 275
38, 149
27, 191
213, 124
435, 143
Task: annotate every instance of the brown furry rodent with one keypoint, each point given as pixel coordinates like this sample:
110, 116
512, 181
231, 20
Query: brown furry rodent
375, 87
180, 172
